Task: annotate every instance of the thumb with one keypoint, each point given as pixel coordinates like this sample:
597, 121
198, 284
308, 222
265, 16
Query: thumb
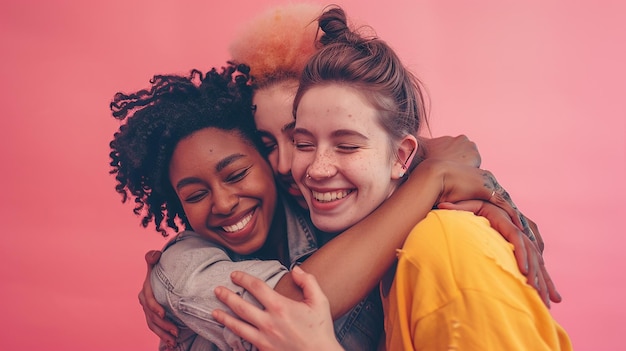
311, 290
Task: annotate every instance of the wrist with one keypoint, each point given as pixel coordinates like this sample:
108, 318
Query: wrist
428, 180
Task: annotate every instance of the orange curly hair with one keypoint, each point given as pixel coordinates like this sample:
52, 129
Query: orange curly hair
277, 43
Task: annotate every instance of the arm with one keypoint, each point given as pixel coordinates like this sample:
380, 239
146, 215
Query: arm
284, 324
163, 327
356, 260
456, 149
185, 277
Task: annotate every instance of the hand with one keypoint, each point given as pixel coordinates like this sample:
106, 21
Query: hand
458, 182
285, 324
527, 254
500, 196
532, 232
155, 313
457, 149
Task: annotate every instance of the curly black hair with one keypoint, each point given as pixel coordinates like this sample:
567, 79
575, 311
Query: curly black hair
158, 118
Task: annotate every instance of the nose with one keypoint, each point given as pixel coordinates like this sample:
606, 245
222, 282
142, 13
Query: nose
225, 200
323, 165
285, 152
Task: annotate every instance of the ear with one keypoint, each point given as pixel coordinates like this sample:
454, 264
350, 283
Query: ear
405, 153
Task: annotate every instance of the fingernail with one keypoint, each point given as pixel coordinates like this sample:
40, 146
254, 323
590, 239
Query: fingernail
297, 269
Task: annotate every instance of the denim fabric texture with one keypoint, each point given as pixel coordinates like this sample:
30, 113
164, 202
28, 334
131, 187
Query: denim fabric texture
191, 267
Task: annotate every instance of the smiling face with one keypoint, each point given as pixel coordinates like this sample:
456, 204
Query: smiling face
226, 188
343, 161
274, 120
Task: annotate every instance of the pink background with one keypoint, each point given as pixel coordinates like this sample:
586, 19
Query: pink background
538, 85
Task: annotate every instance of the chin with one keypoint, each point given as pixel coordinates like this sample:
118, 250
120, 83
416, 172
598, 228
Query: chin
330, 228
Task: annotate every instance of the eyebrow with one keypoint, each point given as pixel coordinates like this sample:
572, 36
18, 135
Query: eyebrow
288, 126
219, 167
227, 161
266, 134
186, 181
336, 133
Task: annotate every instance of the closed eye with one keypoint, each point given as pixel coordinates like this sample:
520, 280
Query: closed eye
196, 196
270, 144
348, 147
270, 148
303, 145
238, 176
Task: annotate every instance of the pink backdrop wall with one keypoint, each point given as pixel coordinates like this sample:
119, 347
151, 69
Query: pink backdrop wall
538, 85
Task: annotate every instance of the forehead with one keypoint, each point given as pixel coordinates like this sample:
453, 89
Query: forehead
274, 105
335, 104
207, 147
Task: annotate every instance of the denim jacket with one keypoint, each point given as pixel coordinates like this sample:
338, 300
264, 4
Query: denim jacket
191, 267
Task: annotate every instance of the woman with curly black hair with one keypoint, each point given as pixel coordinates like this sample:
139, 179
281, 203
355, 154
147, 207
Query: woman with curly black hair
188, 154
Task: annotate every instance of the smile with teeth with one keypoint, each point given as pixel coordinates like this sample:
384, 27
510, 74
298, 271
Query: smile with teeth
331, 195
239, 225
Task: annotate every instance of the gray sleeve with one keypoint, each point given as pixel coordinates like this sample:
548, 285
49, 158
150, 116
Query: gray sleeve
185, 277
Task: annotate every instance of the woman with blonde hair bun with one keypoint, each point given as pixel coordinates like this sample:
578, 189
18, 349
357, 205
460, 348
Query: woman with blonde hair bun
456, 284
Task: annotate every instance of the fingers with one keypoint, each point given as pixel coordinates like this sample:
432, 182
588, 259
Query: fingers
152, 257
311, 290
470, 205
553, 293
237, 326
540, 279
162, 328
245, 310
532, 226
153, 311
501, 222
258, 288
147, 299
533, 277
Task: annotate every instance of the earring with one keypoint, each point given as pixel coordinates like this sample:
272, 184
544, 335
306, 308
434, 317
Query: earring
401, 174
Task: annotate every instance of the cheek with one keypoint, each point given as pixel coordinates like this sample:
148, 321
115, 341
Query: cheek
194, 215
286, 149
299, 162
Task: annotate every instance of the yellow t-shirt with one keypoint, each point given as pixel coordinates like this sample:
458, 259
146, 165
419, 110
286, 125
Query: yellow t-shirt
457, 287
